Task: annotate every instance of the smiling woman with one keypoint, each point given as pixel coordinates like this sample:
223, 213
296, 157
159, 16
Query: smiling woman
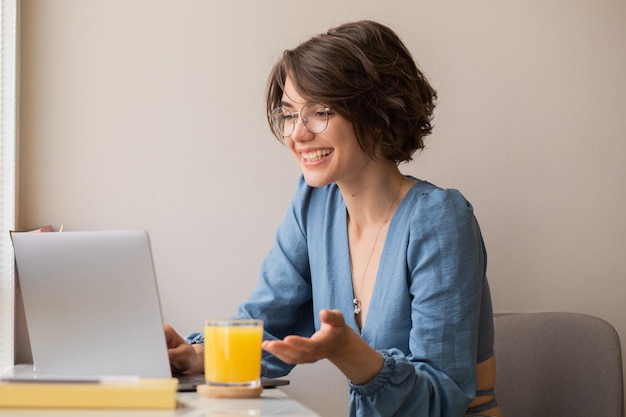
380, 273
8, 32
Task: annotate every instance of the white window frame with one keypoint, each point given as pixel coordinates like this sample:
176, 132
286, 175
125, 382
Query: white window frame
8, 144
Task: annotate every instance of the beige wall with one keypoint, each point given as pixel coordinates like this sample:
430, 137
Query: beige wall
149, 114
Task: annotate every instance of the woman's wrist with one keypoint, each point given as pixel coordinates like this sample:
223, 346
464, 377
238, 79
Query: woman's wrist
197, 365
357, 360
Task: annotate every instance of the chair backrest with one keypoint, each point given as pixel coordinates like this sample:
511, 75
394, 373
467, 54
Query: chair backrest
558, 365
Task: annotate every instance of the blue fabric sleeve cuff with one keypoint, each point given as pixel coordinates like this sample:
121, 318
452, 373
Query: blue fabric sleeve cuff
195, 338
380, 380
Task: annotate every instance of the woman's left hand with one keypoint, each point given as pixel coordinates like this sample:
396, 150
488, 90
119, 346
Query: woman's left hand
325, 343
334, 341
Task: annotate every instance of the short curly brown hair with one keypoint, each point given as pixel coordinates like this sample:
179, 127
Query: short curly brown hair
364, 72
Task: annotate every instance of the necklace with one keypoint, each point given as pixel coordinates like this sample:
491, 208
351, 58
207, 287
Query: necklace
356, 302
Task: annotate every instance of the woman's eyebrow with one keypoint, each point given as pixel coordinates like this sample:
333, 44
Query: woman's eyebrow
284, 103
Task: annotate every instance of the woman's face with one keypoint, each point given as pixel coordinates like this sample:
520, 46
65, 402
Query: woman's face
333, 155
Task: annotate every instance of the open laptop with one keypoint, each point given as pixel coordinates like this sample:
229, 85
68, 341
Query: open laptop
91, 304
92, 307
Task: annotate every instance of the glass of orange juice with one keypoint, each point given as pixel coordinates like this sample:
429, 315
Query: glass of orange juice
232, 352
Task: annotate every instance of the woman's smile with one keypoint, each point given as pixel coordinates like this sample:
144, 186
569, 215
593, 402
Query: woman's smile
316, 155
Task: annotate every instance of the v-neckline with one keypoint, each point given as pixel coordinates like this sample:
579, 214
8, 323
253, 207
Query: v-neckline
352, 321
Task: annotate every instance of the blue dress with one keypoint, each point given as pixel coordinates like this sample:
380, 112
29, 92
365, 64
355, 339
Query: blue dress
430, 313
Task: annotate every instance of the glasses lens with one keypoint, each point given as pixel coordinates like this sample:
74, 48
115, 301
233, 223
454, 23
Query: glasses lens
283, 121
315, 117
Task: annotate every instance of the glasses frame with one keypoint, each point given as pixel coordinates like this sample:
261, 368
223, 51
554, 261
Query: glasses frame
298, 116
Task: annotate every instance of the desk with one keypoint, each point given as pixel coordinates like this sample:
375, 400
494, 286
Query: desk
273, 402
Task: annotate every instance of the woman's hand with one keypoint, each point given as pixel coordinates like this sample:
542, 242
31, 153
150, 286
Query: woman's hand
334, 341
323, 344
183, 356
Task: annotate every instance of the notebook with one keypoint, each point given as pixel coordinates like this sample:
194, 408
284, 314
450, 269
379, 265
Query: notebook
92, 307
91, 304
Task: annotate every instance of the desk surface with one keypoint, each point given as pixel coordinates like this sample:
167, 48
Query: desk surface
273, 402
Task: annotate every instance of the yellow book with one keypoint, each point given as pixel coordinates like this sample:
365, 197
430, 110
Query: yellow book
139, 394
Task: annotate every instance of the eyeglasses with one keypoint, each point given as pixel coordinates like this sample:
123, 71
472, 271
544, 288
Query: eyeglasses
314, 117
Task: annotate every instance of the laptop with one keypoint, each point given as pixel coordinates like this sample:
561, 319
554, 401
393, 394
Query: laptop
92, 307
91, 304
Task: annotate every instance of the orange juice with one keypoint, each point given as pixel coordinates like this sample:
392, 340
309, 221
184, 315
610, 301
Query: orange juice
232, 352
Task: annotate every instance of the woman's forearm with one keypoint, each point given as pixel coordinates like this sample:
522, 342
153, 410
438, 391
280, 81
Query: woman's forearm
358, 361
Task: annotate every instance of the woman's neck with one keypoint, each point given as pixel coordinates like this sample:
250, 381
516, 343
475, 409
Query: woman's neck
370, 199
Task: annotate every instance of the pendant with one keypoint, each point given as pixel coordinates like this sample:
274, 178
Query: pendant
357, 309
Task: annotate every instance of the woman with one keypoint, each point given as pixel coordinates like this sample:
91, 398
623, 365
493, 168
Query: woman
380, 273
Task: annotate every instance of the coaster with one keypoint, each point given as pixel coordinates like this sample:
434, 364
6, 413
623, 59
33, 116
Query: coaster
210, 391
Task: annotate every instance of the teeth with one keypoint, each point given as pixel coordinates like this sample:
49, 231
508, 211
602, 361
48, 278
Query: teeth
316, 155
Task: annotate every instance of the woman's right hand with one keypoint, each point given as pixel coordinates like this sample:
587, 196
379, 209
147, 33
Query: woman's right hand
183, 356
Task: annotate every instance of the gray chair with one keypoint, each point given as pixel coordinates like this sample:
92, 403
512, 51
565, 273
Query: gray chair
558, 365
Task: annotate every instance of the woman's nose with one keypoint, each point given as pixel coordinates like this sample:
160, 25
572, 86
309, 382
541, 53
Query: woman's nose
300, 131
